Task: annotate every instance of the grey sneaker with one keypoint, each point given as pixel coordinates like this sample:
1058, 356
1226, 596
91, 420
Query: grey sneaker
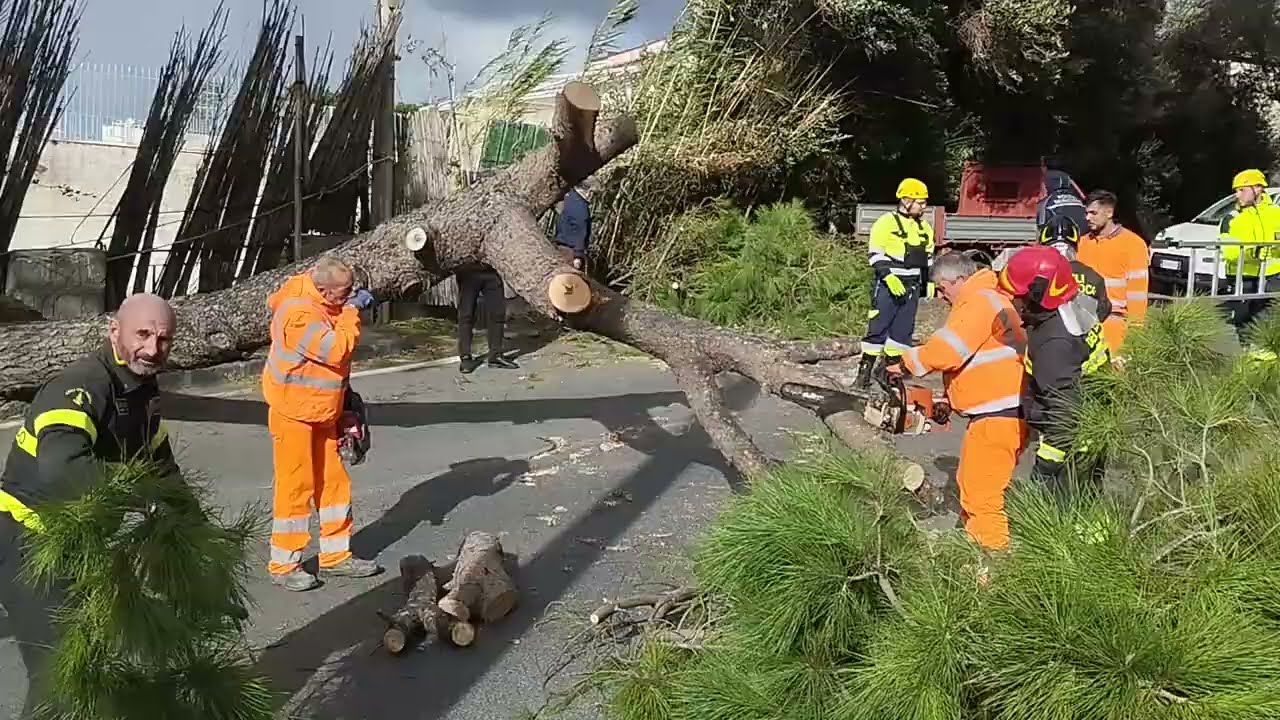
297, 581
353, 567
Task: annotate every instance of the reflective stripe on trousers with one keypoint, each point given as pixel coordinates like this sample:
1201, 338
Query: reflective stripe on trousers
308, 471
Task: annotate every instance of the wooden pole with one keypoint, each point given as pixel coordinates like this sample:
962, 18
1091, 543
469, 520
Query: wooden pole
384, 131
299, 141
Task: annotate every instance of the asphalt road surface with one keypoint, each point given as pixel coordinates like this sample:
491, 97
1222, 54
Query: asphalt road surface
586, 461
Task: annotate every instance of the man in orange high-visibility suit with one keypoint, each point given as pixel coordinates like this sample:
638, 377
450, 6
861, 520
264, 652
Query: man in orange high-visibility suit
315, 325
980, 352
1120, 256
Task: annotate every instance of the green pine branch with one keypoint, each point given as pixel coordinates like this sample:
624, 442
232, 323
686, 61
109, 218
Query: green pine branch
156, 597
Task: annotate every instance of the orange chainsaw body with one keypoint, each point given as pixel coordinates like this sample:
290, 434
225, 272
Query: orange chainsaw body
916, 408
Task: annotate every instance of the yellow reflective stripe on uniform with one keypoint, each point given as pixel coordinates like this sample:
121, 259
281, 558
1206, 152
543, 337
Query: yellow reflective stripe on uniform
28, 441
162, 434
1050, 453
24, 515
71, 418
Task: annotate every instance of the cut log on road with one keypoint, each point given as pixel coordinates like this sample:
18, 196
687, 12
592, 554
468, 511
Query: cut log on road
420, 617
492, 224
481, 589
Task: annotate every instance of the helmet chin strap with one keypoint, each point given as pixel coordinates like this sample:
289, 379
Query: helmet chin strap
1065, 249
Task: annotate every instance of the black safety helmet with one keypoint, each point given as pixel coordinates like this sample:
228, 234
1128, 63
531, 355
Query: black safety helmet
1060, 229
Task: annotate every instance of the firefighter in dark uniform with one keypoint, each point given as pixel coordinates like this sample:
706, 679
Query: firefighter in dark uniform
1064, 344
103, 408
1062, 235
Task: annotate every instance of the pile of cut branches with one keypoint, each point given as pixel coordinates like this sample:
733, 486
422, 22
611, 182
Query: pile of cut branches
1156, 599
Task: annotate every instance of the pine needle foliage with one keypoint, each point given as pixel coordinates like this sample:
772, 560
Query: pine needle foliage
156, 592
769, 270
1157, 599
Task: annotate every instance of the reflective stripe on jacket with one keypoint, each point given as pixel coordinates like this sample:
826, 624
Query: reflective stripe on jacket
1257, 224
979, 350
310, 357
1121, 258
95, 411
900, 245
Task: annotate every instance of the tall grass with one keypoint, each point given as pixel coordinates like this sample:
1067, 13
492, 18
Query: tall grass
726, 109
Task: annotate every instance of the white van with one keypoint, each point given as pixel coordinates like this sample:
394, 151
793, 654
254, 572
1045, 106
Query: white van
1169, 263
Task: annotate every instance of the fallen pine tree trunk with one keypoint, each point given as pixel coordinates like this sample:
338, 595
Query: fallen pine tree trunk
495, 224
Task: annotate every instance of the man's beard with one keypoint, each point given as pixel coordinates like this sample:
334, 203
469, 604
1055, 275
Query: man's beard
144, 368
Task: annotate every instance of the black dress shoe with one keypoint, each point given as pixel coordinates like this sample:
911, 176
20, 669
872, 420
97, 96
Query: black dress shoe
501, 362
468, 365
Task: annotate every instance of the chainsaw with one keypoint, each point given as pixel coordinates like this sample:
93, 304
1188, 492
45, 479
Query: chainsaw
354, 440
894, 406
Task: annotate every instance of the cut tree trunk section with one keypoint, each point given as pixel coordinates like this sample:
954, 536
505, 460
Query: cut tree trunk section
420, 618
481, 588
494, 224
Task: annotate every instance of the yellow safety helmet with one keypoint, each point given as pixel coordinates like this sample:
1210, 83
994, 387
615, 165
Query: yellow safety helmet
913, 189
1249, 178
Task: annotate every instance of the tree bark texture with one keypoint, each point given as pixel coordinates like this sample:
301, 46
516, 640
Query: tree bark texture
493, 224
481, 589
420, 617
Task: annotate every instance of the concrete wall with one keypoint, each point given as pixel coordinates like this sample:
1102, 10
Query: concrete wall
76, 179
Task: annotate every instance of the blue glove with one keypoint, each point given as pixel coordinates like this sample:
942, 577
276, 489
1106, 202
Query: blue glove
361, 299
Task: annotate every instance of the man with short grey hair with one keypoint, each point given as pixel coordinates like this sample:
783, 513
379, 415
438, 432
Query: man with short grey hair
979, 351
315, 327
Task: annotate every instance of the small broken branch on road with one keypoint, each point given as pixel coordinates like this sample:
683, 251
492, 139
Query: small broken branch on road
662, 604
494, 224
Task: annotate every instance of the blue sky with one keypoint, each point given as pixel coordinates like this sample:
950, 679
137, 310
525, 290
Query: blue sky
139, 32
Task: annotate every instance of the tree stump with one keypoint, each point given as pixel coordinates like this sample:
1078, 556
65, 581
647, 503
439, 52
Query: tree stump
481, 588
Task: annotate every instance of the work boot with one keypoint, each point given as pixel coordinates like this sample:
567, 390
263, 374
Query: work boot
864, 371
497, 361
468, 364
353, 567
297, 581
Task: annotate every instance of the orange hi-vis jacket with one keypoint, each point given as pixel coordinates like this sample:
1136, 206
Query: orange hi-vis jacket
979, 350
1121, 258
309, 362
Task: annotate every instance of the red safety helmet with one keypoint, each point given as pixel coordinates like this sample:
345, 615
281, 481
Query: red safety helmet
1040, 274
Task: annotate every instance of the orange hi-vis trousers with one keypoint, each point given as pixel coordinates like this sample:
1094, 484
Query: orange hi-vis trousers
308, 470
988, 456
1114, 329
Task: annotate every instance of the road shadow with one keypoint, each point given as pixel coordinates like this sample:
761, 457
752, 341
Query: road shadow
432, 500
335, 668
242, 411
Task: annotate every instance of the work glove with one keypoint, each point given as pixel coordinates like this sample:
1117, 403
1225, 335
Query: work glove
361, 299
896, 287
930, 290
